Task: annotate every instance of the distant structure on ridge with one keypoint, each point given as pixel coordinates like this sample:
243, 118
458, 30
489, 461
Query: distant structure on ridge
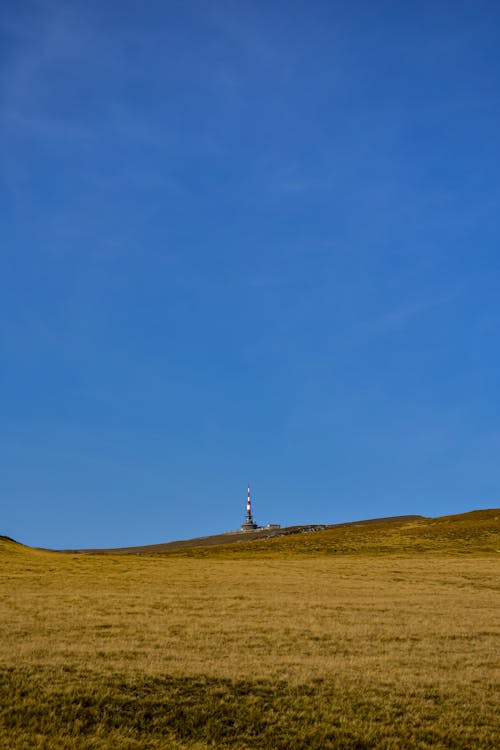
249, 524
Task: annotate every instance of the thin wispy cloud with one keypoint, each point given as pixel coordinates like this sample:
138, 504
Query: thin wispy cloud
299, 184
412, 310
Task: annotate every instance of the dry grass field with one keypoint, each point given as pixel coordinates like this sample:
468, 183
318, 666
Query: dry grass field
361, 637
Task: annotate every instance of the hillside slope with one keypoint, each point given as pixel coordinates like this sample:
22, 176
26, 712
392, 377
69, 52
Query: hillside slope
476, 531
237, 537
473, 532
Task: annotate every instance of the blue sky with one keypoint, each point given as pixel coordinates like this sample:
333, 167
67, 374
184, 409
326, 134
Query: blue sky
246, 242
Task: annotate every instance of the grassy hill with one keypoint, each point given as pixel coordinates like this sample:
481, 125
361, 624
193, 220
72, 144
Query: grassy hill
233, 537
380, 635
477, 531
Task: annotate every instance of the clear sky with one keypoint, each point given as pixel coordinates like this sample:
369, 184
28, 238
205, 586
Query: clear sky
243, 242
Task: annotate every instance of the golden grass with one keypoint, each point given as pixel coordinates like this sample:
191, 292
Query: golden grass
252, 648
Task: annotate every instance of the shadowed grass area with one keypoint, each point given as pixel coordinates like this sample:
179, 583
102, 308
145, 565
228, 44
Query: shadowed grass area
390, 644
80, 712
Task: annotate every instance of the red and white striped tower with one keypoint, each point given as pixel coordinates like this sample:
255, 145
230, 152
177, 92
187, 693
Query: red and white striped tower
249, 524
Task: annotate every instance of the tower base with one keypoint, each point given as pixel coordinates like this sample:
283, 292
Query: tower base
249, 525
